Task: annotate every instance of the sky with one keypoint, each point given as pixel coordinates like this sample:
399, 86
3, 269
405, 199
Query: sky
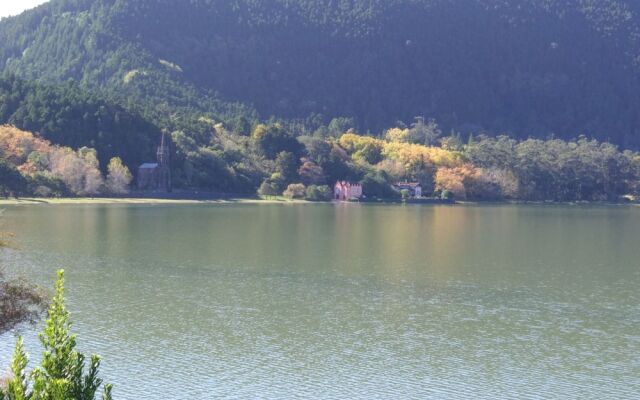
14, 7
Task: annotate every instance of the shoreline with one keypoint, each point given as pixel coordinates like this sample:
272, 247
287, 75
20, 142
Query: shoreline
140, 200
275, 200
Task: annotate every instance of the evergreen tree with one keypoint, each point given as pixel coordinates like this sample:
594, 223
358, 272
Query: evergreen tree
61, 374
11, 182
18, 388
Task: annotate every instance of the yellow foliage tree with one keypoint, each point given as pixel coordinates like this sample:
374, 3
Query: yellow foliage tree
468, 181
397, 135
353, 142
415, 154
362, 148
451, 179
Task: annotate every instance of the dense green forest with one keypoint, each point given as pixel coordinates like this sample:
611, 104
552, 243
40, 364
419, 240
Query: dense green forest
70, 116
525, 68
521, 99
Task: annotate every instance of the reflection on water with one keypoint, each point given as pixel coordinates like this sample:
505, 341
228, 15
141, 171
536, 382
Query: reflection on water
346, 301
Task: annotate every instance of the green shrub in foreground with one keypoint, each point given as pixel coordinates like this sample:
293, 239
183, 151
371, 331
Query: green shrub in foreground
61, 375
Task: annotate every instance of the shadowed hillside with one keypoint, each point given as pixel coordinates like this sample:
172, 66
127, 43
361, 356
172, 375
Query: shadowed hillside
528, 68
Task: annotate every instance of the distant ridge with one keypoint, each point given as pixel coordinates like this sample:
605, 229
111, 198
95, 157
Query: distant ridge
524, 67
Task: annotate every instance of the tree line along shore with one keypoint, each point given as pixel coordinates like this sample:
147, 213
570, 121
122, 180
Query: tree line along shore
273, 161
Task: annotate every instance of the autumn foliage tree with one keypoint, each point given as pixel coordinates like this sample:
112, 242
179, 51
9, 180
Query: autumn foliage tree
452, 180
311, 173
39, 160
295, 191
118, 177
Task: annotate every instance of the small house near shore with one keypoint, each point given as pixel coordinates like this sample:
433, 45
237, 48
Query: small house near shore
344, 191
414, 188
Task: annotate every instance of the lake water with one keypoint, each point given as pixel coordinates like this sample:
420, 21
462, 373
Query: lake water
238, 301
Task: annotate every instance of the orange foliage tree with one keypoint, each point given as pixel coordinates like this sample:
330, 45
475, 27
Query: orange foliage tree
79, 170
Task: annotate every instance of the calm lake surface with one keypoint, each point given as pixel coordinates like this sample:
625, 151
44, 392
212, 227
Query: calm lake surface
238, 301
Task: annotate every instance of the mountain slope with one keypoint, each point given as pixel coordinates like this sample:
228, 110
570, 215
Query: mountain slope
529, 68
69, 116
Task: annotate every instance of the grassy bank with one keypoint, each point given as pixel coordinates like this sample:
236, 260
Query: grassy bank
123, 200
255, 200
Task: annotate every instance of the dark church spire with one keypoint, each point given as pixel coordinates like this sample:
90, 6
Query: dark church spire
163, 151
164, 164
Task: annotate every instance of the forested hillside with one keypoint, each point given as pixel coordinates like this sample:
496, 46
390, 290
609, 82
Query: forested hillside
269, 95
70, 116
522, 67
